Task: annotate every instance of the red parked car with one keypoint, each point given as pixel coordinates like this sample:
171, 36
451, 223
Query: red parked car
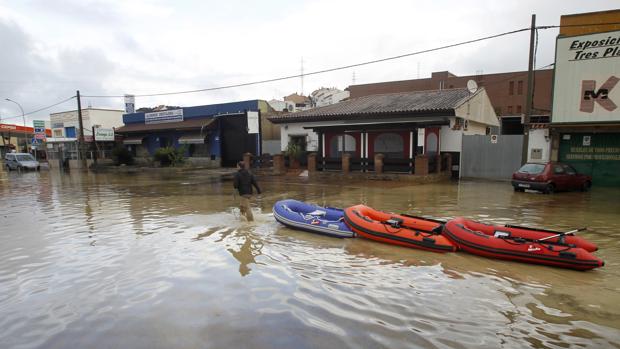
549, 178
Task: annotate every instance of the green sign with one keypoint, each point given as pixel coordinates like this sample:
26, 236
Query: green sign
597, 155
38, 123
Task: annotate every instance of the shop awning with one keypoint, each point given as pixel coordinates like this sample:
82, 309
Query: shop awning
133, 140
185, 125
194, 138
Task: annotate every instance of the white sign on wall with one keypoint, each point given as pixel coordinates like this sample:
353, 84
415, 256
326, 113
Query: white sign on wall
104, 134
587, 72
130, 104
163, 116
253, 122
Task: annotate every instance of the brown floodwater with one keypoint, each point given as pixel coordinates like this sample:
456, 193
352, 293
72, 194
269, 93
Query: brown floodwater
161, 260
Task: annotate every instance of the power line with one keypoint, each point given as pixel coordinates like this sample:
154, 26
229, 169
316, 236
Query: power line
321, 71
356, 64
41, 109
330, 69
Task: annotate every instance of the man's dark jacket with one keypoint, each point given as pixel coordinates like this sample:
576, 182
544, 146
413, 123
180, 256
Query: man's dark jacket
244, 180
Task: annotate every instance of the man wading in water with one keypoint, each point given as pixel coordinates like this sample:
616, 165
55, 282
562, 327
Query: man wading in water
244, 180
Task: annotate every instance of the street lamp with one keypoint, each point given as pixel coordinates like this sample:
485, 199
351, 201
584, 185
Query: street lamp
24, 120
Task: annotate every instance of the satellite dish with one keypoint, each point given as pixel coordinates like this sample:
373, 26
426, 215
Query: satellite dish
472, 86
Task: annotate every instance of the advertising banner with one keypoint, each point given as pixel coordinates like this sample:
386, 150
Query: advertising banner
587, 72
104, 134
163, 116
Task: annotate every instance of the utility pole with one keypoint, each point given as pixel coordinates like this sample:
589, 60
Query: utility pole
302, 76
81, 146
530, 92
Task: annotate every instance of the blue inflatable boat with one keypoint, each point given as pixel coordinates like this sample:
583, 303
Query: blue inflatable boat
315, 219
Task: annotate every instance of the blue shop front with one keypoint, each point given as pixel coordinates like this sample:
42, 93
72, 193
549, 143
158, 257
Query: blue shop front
211, 135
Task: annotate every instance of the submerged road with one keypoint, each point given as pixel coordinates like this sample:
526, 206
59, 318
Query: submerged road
161, 260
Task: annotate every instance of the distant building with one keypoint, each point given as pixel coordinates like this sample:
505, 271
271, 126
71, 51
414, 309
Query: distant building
212, 135
507, 91
67, 125
14, 137
286, 106
300, 102
62, 147
327, 96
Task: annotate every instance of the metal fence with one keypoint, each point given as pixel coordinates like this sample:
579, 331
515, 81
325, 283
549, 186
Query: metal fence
481, 158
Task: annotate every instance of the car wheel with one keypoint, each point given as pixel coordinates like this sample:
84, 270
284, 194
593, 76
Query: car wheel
550, 188
8, 168
586, 186
518, 189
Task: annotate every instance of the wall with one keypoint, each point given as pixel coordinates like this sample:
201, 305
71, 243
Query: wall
202, 111
478, 108
612, 16
539, 139
450, 140
297, 129
107, 118
482, 159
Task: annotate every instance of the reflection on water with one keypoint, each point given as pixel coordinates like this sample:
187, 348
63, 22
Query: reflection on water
162, 260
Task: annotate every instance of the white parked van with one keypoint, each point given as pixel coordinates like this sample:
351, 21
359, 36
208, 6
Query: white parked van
20, 161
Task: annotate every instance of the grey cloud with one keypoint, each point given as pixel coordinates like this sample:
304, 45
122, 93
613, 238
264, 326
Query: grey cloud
36, 81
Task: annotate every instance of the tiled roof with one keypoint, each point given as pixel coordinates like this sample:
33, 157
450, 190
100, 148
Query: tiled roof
383, 105
180, 125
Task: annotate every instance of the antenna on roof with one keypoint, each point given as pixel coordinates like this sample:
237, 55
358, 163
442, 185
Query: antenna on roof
472, 86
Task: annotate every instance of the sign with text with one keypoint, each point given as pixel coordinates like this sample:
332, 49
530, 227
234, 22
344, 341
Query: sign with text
587, 72
130, 104
38, 123
253, 122
104, 134
163, 116
39, 129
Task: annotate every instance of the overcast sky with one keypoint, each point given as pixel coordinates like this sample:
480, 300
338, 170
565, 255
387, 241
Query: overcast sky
52, 48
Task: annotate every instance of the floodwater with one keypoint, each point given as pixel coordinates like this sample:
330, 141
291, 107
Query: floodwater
161, 260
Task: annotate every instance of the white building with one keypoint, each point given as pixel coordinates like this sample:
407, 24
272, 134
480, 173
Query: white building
327, 96
401, 126
66, 124
62, 147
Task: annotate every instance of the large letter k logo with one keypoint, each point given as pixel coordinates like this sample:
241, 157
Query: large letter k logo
590, 95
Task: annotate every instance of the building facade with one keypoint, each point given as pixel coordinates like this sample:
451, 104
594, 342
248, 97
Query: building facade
63, 145
585, 122
507, 91
327, 96
211, 135
17, 138
401, 126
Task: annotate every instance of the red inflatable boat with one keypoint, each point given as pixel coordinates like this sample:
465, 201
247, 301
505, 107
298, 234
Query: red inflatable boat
522, 244
397, 229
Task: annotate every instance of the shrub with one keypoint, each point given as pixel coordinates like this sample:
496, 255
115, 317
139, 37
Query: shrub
122, 156
170, 156
294, 151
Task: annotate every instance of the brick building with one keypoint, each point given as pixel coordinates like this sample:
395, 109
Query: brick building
507, 91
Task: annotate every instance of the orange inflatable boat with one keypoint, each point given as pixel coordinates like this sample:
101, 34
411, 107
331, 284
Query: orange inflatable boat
522, 244
397, 229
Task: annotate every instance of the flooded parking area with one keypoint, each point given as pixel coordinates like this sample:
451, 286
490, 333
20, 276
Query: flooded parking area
162, 260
